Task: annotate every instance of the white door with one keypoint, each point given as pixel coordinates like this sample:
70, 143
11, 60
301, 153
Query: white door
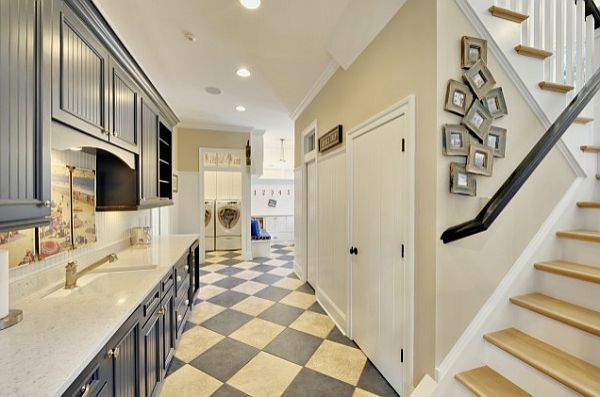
311, 223
378, 180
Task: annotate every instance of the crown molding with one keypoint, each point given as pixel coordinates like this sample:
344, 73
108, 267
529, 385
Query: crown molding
326, 75
201, 125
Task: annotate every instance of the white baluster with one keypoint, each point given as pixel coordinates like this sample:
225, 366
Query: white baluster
559, 56
538, 24
589, 47
549, 36
570, 47
580, 37
527, 9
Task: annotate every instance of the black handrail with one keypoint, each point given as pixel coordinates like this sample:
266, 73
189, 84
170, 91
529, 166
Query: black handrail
592, 9
517, 179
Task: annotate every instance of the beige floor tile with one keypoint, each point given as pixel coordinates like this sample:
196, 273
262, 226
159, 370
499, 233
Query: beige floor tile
299, 299
245, 265
195, 342
189, 382
275, 262
363, 393
248, 274
258, 333
213, 268
338, 361
250, 287
288, 283
281, 271
314, 324
212, 278
204, 311
265, 376
209, 291
253, 305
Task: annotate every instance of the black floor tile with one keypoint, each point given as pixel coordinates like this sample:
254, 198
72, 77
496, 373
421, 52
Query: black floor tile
294, 276
226, 322
225, 359
280, 251
267, 279
312, 383
306, 288
229, 282
174, 366
289, 265
230, 262
263, 268
231, 254
228, 391
273, 293
294, 346
288, 258
336, 336
230, 271
371, 380
261, 260
281, 314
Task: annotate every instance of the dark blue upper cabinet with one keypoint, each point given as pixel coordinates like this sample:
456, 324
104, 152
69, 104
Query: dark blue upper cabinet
124, 109
79, 74
24, 113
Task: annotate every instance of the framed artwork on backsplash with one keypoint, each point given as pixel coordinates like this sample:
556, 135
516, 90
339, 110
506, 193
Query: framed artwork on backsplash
20, 246
84, 207
57, 237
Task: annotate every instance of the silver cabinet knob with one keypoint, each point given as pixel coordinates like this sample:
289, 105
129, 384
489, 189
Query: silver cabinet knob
187, 302
179, 318
186, 268
117, 352
178, 279
114, 353
46, 204
86, 390
162, 311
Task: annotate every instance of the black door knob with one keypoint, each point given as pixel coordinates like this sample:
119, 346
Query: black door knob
353, 251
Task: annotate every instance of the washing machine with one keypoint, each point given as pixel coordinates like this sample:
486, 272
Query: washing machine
228, 214
209, 225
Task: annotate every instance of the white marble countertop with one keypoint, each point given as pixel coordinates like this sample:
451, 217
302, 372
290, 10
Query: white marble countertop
60, 335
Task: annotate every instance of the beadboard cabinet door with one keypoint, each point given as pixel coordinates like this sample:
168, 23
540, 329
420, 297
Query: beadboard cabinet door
149, 153
24, 107
124, 109
79, 75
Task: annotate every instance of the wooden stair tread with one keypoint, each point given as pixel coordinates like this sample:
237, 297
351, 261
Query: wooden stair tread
507, 14
571, 371
590, 149
581, 235
576, 316
589, 204
532, 52
485, 382
583, 120
572, 270
555, 87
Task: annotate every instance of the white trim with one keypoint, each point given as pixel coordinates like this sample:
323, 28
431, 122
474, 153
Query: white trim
514, 76
204, 125
327, 74
404, 107
312, 155
502, 293
332, 310
309, 158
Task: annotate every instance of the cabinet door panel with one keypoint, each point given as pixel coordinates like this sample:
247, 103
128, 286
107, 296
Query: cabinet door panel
126, 368
24, 171
149, 153
169, 329
151, 356
124, 109
79, 75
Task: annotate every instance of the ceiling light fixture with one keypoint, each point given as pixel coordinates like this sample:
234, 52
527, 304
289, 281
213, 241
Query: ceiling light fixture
213, 90
240, 108
243, 72
282, 154
250, 4
190, 36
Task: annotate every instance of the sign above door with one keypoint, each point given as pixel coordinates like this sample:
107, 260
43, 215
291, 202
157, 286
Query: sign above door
331, 139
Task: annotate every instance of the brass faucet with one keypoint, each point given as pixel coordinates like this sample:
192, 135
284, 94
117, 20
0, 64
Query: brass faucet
71, 275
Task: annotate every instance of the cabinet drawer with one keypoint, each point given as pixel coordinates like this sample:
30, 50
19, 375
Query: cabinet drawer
151, 303
91, 384
168, 282
181, 314
183, 288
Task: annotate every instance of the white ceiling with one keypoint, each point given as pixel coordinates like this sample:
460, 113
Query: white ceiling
283, 43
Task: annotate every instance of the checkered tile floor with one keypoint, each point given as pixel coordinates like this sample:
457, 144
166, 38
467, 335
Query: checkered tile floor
258, 331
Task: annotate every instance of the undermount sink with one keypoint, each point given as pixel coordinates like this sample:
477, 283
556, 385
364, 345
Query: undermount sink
94, 277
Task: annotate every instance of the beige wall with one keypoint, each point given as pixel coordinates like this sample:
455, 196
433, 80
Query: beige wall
468, 271
401, 61
190, 140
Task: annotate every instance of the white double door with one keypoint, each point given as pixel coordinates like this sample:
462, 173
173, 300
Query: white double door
378, 172
312, 242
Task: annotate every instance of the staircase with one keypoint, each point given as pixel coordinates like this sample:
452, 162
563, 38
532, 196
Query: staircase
544, 339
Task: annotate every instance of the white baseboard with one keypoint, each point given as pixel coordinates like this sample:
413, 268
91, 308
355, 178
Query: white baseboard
334, 312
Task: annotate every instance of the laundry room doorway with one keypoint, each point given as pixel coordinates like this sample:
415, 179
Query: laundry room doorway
381, 214
311, 204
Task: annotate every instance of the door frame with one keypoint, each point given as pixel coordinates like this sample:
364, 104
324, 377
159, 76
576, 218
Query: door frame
307, 159
404, 107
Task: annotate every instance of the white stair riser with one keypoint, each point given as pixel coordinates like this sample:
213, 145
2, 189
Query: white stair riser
564, 337
578, 292
583, 252
529, 379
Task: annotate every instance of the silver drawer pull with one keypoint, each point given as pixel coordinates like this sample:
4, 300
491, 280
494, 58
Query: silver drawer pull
179, 318
186, 268
86, 390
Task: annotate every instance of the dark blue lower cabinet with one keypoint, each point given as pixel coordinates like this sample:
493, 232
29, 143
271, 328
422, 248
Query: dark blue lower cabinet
124, 358
151, 360
168, 328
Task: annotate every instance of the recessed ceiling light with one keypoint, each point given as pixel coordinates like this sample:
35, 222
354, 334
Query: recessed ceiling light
240, 108
213, 90
250, 4
243, 72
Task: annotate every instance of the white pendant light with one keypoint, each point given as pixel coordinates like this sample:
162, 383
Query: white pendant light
282, 154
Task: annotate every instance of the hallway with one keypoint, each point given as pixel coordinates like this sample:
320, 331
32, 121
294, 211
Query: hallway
257, 330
